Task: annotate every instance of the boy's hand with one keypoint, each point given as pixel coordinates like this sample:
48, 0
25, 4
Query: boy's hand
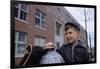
49, 45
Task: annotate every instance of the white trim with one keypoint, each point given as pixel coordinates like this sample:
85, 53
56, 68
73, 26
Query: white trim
19, 11
39, 41
59, 38
60, 33
40, 18
19, 42
21, 20
24, 9
40, 27
19, 55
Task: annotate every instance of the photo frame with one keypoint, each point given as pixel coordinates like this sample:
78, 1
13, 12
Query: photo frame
37, 23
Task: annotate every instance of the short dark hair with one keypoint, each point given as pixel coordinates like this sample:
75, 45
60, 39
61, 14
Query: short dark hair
70, 24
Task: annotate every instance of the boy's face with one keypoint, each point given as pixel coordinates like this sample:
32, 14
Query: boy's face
72, 36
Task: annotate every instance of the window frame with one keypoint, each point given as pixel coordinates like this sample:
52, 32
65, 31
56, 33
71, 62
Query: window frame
39, 39
59, 29
19, 13
40, 25
19, 42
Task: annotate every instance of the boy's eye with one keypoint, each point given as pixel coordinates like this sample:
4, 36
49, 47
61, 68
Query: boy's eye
70, 32
66, 33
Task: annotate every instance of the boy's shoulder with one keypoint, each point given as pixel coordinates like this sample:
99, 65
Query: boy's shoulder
65, 46
81, 46
62, 47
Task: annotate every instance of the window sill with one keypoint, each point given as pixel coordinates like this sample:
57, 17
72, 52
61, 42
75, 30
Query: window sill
19, 55
40, 27
21, 20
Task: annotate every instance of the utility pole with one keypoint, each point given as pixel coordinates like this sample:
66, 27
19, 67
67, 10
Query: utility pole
90, 41
85, 15
90, 48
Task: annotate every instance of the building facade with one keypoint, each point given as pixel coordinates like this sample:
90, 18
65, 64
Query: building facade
38, 24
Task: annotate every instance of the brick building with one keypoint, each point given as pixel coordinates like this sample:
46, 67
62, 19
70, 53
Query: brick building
38, 24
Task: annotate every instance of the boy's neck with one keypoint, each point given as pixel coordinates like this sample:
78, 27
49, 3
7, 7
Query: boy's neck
74, 44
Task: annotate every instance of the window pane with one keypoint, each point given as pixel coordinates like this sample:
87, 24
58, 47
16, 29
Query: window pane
21, 37
42, 16
40, 19
37, 21
42, 42
43, 24
37, 41
16, 4
23, 15
58, 44
24, 6
20, 43
15, 12
38, 13
58, 32
20, 48
58, 27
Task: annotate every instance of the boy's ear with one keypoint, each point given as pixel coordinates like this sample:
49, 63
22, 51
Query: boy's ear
78, 33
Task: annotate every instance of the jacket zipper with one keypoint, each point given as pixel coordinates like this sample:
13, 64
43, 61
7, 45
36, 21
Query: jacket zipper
72, 53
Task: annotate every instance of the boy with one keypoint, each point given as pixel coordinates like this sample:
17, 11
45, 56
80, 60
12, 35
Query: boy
72, 51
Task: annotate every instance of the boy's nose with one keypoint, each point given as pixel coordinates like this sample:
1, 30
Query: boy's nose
68, 35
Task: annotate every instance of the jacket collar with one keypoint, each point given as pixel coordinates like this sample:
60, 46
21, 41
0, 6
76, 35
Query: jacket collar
76, 45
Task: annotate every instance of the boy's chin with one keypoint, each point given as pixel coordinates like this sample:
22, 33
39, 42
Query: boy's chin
70, 43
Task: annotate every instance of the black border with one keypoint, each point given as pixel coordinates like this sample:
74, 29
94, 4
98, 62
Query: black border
12, 36
12, 30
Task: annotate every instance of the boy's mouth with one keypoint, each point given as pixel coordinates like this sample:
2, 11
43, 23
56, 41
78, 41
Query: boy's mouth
69, 39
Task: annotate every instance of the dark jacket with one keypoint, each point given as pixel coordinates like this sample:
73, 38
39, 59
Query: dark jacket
77, 54
32, 58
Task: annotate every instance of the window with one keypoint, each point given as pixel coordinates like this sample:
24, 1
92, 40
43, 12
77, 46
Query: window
40, 41
24, 6
20, 43
40, 19
58, 28
59, 12
57, 44
20, 11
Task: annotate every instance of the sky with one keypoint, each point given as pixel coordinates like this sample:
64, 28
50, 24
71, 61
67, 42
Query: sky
78, 14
